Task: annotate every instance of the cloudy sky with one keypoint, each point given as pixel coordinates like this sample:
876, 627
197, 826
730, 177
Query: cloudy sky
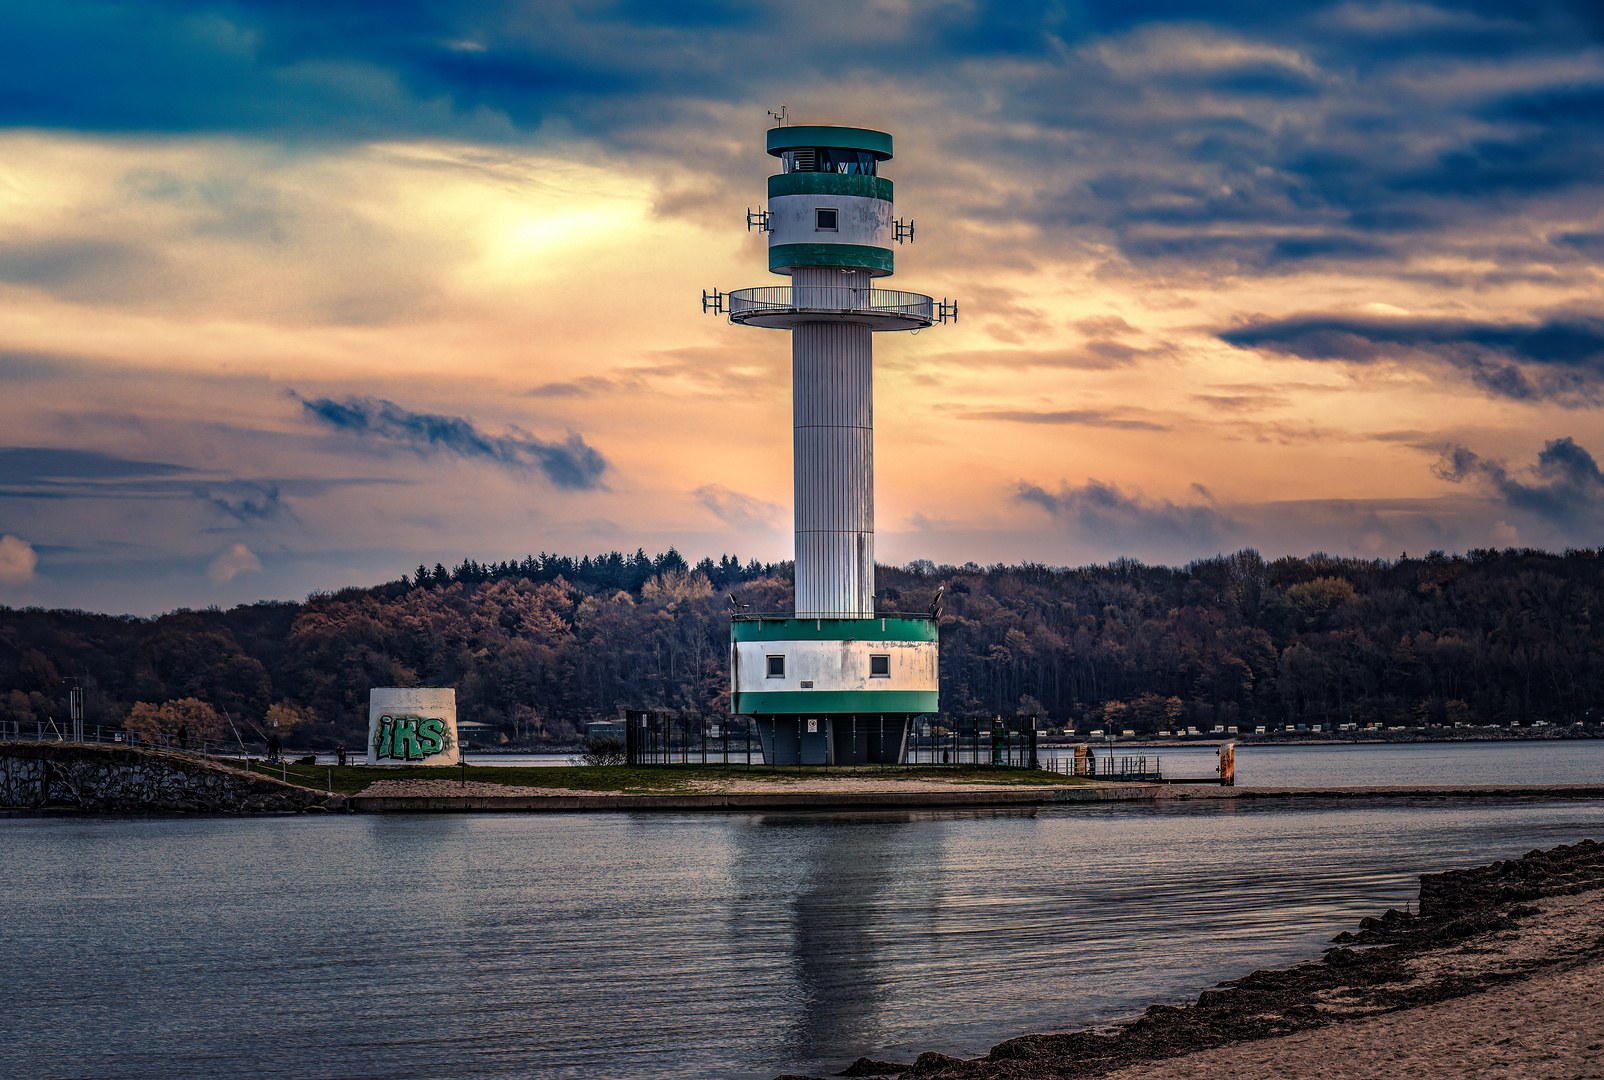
298, 295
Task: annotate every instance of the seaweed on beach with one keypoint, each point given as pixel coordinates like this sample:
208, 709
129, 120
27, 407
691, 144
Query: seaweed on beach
1399, 960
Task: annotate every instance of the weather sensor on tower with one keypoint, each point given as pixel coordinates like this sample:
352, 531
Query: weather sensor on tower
837, 682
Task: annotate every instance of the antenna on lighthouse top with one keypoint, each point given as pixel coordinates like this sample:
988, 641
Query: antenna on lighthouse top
779, 117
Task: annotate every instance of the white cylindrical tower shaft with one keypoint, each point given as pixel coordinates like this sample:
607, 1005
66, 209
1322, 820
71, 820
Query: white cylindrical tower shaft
832, 396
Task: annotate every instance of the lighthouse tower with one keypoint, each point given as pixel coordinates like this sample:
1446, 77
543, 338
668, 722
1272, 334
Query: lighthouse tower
837, 681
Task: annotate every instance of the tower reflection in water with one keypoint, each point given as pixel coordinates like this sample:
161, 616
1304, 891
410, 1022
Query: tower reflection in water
866, 889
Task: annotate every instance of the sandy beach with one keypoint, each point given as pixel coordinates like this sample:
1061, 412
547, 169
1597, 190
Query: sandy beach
1498, 973
1549, 1025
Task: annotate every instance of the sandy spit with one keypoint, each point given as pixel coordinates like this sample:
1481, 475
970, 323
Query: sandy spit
759, 784
446, 789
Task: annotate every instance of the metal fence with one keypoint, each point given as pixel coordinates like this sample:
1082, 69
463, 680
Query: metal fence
674, 738
671, 738
1006, 741
1125, 767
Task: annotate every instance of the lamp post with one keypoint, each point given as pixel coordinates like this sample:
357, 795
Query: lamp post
75, 707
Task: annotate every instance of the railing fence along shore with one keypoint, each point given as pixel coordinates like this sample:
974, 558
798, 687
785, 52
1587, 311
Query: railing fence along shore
660, 737
50, 731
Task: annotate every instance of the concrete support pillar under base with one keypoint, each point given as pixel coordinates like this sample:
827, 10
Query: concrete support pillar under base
834, 739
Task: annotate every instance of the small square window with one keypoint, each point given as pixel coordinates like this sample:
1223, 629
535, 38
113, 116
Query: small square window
880, 667
777, 667
826, 220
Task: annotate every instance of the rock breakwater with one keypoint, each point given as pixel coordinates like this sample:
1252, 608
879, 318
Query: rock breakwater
119, 778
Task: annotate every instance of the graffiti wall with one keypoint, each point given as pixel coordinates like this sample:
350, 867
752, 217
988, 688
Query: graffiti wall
412, 725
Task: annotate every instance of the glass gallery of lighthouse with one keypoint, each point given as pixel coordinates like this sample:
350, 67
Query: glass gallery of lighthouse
836, 681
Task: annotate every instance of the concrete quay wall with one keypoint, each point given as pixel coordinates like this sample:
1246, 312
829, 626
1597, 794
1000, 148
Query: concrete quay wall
891, 799
93, 777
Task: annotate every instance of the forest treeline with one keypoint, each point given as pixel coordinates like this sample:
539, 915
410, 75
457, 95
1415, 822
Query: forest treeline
538, 647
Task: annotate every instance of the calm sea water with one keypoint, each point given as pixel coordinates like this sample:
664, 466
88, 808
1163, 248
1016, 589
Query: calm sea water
671, 945
1571, 761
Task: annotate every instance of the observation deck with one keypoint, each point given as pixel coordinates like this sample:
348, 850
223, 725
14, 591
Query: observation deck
784, 307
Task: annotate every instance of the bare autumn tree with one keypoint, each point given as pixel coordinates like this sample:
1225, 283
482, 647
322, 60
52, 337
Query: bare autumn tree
198, 719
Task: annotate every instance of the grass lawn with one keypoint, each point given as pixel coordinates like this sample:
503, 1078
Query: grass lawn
642, 780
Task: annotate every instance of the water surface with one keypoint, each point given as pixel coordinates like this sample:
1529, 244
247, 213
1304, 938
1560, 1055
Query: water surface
1560, 761
735, 946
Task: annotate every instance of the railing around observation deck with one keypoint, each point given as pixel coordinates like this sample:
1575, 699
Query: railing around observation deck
832, 299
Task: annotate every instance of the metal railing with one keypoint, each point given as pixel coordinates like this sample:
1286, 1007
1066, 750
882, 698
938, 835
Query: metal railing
836, 299
1124, 767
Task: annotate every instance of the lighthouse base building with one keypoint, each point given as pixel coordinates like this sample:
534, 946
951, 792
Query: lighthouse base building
836, 681
834, 691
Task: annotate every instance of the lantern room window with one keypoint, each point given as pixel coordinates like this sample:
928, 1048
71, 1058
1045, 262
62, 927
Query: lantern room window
829, 159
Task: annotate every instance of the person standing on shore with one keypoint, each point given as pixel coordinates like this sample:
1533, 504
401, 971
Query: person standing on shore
273, 747
183, 736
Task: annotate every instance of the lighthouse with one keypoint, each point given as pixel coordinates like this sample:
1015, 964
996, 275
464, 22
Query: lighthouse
837, 680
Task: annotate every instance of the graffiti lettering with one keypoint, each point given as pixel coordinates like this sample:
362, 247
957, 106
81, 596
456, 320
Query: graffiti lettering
432, 735
410, 738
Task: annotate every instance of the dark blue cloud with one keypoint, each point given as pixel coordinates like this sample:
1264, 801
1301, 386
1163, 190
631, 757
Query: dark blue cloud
245, 501
335, 70
1589, 244
1103, 512
1560, 358
1073, 417
63, 475
83, 270
1335, 133
1567, 487
569, 464
1237, 141
30, 465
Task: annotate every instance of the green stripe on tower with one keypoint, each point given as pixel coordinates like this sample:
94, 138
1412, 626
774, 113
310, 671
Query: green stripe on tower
828, 702
833, 630
823, 183
854, 256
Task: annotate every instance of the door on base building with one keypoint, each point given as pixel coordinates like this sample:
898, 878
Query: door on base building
813, 739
